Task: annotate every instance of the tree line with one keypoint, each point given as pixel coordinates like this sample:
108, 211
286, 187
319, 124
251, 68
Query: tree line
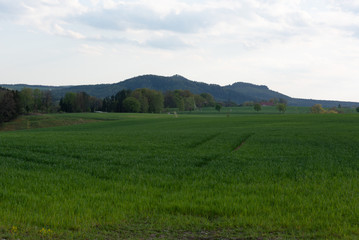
9, 105
145, 100
79, 102
14, 103
26, 101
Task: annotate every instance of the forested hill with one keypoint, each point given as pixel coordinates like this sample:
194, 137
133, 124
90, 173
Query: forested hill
238, 92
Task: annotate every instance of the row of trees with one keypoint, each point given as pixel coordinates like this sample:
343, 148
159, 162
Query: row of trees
270, 102
146, 100
80, 102
281, 107
35, 100
13, 103
143, 100
9, 104
184, 100
140, 100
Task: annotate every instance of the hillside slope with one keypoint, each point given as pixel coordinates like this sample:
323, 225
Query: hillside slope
238, 92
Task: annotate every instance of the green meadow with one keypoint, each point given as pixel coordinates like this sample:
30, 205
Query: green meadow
190, 176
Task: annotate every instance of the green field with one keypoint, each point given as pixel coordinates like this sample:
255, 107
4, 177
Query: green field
264, 110
195, 176
250, 110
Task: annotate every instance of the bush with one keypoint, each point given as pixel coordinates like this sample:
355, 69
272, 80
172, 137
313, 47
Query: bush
257, 107
317, 108
218, 107
281, 107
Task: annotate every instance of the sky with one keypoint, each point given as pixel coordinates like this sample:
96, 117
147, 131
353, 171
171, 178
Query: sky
301, 48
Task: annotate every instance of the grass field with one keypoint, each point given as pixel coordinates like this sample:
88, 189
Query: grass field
150, 176
264, 110
250, 110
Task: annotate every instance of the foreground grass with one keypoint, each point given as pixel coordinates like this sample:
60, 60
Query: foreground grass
157, 176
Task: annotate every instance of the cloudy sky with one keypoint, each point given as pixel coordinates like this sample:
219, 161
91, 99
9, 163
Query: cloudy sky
302, 48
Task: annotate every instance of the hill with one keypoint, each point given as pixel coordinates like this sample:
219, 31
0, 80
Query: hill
238, 92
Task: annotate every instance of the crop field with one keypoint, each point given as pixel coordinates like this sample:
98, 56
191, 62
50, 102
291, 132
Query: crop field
195, 176
250, 110
264, 110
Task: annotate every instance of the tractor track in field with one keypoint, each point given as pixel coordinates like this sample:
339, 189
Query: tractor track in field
243, 142
203, 141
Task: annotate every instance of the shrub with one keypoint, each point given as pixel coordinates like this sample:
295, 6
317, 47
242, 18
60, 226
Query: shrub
281, 107
218, 107
317, 108
257, 107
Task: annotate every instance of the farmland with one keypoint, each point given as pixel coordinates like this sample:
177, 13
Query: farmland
209, 176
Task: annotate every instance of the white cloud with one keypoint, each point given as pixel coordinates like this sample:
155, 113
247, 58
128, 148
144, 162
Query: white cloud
91, 50
297, 43
250, 22
67, 33
45, 15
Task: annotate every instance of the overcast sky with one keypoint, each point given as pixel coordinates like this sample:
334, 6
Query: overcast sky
307, 49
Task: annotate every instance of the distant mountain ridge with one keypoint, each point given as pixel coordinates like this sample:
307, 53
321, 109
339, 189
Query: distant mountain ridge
238, 92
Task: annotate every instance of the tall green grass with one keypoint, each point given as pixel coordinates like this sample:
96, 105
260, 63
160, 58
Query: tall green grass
147, 175
264, 110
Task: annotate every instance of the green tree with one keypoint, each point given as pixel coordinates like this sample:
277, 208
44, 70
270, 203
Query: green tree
281, 107
37, 96
140, 95
357, 109
82, 102
169, 99
257, 107
180, 104
27, 100
218, 107
67, 103
9, 105
47, 101
119, 98
106, 104
189, 103
199, 101
179, 99
210, 102
150, 100
185, 100
35, 100
95, 104
155, 100
131, 104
